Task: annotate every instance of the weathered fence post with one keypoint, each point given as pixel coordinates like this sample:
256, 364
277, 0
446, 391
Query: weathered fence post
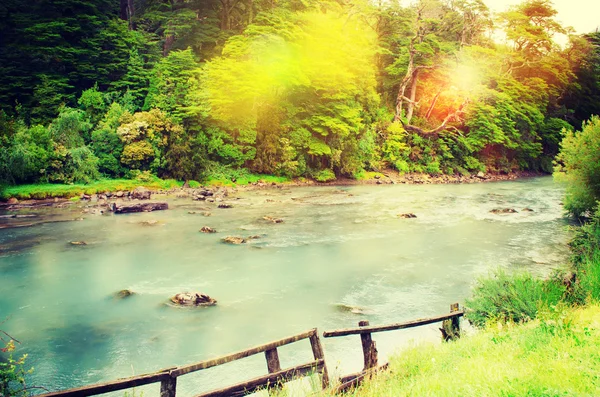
451, 328
369, 348
317, 349
168, 387
273, 364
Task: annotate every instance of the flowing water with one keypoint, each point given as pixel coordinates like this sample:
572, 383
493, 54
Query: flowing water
339, 247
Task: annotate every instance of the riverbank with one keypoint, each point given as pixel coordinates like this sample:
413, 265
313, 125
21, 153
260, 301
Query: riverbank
532, 344
554, 355
13, 194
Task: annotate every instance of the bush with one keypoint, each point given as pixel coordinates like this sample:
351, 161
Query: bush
511, 297
12, 373
586, 260
578, 163
326, 175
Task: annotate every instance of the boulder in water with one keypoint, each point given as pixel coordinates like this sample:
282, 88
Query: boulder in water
123, 294
224, 205
408, 215
193, 299
78, 243
504, 211
233, 240
207, 229
527, 210
272, 219
151, 222
138, 207
351, 309
141, 193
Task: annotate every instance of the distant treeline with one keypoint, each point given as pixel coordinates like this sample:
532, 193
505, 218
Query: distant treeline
292, 87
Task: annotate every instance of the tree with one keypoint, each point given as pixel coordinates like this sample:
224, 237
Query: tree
578, 163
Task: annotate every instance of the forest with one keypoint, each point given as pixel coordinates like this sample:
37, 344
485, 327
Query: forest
295, 88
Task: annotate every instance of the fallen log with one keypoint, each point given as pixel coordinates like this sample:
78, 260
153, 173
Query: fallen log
138, 207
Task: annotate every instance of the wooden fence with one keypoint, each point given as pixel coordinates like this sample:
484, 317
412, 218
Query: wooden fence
168, 377
450, 330
276, 376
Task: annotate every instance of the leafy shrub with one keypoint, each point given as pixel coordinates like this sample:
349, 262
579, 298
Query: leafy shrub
12, 373
578, 163
326, 175
511, 297
585, 249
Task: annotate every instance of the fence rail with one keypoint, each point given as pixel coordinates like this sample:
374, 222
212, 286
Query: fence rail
276, 376
450, 330
168, 377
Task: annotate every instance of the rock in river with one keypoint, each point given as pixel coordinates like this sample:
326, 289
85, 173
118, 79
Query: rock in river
124, 293
504, 211
233, 240
141, 193
207, 229
193, 299
407, 215
78, 243
272, 219
138, 207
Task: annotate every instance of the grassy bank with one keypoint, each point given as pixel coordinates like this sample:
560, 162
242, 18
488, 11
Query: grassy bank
50, 190
555, 355
43, 191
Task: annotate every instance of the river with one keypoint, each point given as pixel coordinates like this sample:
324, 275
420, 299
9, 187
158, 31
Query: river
337, 246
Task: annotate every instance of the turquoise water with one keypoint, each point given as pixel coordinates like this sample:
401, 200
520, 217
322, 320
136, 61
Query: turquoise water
337, 246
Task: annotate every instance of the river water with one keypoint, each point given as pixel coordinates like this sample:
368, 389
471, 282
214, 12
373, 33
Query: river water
338, 247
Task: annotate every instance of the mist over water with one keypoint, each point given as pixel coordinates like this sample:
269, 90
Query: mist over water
337, 246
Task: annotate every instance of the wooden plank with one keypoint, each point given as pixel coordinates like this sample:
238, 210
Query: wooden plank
355, 379
391, 327
242, 354
253, 385
318, 354
107, 387
368, 347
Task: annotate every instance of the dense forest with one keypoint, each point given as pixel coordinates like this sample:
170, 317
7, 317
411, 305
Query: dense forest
181, 88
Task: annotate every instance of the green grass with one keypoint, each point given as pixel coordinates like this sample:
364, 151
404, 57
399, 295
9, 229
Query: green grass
43, 191
49, 190
367, 175
243, 179
515, 297
556, 355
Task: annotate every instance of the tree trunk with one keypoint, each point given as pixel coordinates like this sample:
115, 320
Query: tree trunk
130, 13
432, 106
413, 94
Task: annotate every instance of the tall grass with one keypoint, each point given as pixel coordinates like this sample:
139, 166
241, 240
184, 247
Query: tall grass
556, 355
512, 297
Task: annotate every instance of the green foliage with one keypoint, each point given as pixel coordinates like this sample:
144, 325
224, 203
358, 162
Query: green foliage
42, 191
324, 176
511, 297
171, 81
70, 129
13, 372
578, 164
555, 356
107, 145
287, 88
220, 175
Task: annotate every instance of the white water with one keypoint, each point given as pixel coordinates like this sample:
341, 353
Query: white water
337, 246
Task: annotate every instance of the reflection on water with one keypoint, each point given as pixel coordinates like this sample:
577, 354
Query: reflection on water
339, 247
